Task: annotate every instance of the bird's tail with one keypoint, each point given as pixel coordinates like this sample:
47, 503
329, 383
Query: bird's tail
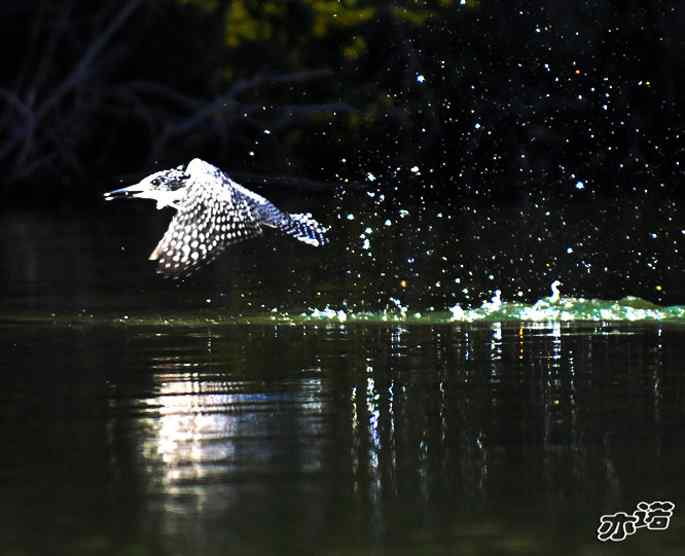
304, 228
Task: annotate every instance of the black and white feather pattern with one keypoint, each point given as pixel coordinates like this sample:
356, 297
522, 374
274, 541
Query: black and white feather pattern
214, 213
210, 218
304, 228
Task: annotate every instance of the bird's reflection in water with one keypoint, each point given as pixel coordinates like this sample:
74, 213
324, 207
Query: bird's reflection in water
383, 424
194, 418
205, 431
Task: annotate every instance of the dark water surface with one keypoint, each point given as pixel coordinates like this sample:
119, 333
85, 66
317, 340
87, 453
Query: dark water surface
328, 437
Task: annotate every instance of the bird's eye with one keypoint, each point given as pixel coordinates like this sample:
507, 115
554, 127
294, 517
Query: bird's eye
155, 182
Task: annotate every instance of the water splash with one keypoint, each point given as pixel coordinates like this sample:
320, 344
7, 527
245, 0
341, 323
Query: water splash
553, 308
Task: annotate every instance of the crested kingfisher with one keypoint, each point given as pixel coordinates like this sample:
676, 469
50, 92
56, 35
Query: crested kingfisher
212, 213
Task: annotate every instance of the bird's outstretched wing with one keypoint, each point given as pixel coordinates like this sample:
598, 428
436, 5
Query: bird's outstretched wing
210, 217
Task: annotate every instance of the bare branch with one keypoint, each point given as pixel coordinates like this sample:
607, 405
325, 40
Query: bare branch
292, 182
243, 85
86, 60
43, 65
18, 131
45, 129
227, 102
163, 91
11, 98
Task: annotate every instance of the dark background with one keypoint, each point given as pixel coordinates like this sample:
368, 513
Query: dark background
453, 150
563, 93
483, 146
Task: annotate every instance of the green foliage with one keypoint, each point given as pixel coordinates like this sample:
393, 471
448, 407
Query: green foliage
258, 21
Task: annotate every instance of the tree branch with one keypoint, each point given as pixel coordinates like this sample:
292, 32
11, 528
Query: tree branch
86, 60
292, 182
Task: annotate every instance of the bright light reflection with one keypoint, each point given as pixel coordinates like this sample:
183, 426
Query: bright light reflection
191, 415
199, 427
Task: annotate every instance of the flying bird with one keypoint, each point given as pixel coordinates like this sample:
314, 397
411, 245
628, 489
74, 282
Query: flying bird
212, 213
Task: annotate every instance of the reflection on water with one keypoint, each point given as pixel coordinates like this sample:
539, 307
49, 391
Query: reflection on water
209, 435
303, 439
201, 428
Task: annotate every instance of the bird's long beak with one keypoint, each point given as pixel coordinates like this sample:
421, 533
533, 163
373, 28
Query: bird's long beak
130, 192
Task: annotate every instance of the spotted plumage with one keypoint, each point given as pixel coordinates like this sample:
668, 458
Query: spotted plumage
213, 212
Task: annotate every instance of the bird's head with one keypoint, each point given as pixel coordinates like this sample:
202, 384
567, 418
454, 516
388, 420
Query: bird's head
165, 187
